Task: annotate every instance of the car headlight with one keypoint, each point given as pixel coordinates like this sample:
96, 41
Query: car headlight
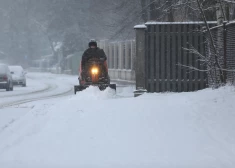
94, 71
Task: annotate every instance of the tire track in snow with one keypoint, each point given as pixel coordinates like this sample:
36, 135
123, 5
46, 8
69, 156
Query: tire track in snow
19, 102
48, 87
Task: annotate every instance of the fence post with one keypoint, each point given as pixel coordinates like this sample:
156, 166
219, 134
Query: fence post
110, 56
121, 55
225, 52
127, 55
115, 66
140, 60
133, 54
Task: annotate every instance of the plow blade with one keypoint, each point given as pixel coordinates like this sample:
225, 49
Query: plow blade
113, 86
78, 88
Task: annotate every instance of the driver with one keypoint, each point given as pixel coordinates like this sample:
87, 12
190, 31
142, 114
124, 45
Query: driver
93, 52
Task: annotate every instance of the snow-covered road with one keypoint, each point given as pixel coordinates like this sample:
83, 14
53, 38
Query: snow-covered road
39, 86
96, 129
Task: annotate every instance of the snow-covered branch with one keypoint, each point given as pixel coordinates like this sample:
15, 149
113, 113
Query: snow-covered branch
229, 1
192, 68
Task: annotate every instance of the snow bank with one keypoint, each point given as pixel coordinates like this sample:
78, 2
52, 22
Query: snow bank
94, 93
97, 129
191, 22
140, 26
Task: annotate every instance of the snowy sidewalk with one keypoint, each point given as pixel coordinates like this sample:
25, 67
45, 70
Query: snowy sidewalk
98, 129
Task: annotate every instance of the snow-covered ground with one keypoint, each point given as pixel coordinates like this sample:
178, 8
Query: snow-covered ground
96, 129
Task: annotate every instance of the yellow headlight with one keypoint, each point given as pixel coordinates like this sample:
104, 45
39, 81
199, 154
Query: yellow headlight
94, 71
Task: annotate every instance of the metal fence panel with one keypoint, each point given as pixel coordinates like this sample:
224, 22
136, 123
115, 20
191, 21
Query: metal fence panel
151, 59
173, 57
195, 62
168, 58
121, 57
179, 57
165, 52
157, 62
224, 40
162, 58
230, 52
185, 58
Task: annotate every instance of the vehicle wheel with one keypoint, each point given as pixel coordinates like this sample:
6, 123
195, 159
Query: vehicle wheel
8, 87
11, 88
108, 80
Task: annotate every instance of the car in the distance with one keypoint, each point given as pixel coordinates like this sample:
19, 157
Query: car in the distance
6, 81
18, 75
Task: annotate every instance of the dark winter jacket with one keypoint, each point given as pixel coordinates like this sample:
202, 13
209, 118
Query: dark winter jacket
93, 53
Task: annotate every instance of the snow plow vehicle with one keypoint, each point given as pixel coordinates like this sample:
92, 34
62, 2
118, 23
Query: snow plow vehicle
94, 73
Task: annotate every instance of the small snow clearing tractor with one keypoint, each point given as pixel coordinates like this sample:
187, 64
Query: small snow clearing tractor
94, 73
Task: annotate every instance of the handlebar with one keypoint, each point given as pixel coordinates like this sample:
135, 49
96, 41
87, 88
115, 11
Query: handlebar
96, 59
